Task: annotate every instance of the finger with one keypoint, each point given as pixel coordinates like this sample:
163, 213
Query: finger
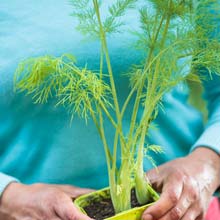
73, 191
154, 177
193, 213
66, 210
188, 197
168, 199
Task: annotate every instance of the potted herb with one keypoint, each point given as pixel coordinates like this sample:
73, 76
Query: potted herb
172, 40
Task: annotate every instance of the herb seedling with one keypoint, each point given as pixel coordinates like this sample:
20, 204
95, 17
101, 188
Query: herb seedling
172, 37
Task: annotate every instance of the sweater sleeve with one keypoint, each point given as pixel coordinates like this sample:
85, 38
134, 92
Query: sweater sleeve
211, 136
5, 180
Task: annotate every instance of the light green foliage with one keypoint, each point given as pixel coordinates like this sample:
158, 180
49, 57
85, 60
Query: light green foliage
78, 89
173, 8
178, 47
88, 23
85, 13
112, 23
152, 148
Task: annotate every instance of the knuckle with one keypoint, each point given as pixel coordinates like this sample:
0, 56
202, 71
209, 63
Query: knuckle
179, 174
51, 198
190, 216
62, 198
71, 216
173, 197
193, 189
51, 195
175, 214
193, 193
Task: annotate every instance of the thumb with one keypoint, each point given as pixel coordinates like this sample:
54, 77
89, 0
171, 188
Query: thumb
168, 199
73, 191
153, 176
66, 210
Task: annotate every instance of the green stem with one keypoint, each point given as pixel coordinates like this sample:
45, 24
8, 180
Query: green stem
141, 189
122, 196
118, 206
152, 90
106, 147
101, 131
105, 49
108, 114
142, 78
141, 86
113, 88
101, 63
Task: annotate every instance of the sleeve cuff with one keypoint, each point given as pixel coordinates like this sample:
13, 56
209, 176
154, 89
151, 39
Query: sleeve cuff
210, 138
5, 180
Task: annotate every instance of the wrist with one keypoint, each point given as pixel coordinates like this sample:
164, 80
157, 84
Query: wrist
9, 192
207, 156
205, 153
5, 180
210, 161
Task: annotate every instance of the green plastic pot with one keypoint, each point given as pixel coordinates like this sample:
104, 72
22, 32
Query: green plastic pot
132, 214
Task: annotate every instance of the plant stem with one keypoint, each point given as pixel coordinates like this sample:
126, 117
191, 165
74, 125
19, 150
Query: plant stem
106, 148
101, 63
101, 131
154, 59
125, 204
105, 49
100, 102
141, 189
141, 86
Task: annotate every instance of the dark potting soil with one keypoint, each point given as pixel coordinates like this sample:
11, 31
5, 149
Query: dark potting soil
104, 208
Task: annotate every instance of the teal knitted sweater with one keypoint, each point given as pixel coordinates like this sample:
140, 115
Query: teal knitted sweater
38, 143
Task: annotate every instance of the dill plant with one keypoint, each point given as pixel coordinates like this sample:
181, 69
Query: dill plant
172, 35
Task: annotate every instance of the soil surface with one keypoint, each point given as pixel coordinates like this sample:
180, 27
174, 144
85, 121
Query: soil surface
104, 208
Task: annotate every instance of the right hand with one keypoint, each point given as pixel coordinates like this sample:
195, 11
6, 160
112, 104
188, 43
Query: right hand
40, 202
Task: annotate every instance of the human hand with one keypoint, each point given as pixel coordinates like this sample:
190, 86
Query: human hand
40, 202
186, 185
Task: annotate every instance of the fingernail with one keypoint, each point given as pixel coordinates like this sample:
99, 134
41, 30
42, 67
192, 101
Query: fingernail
147, 217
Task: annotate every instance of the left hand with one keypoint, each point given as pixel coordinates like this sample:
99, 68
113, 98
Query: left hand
186, 185
40, 201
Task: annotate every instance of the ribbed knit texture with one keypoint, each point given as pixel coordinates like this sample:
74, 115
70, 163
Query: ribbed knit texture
38, 143
210, 138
